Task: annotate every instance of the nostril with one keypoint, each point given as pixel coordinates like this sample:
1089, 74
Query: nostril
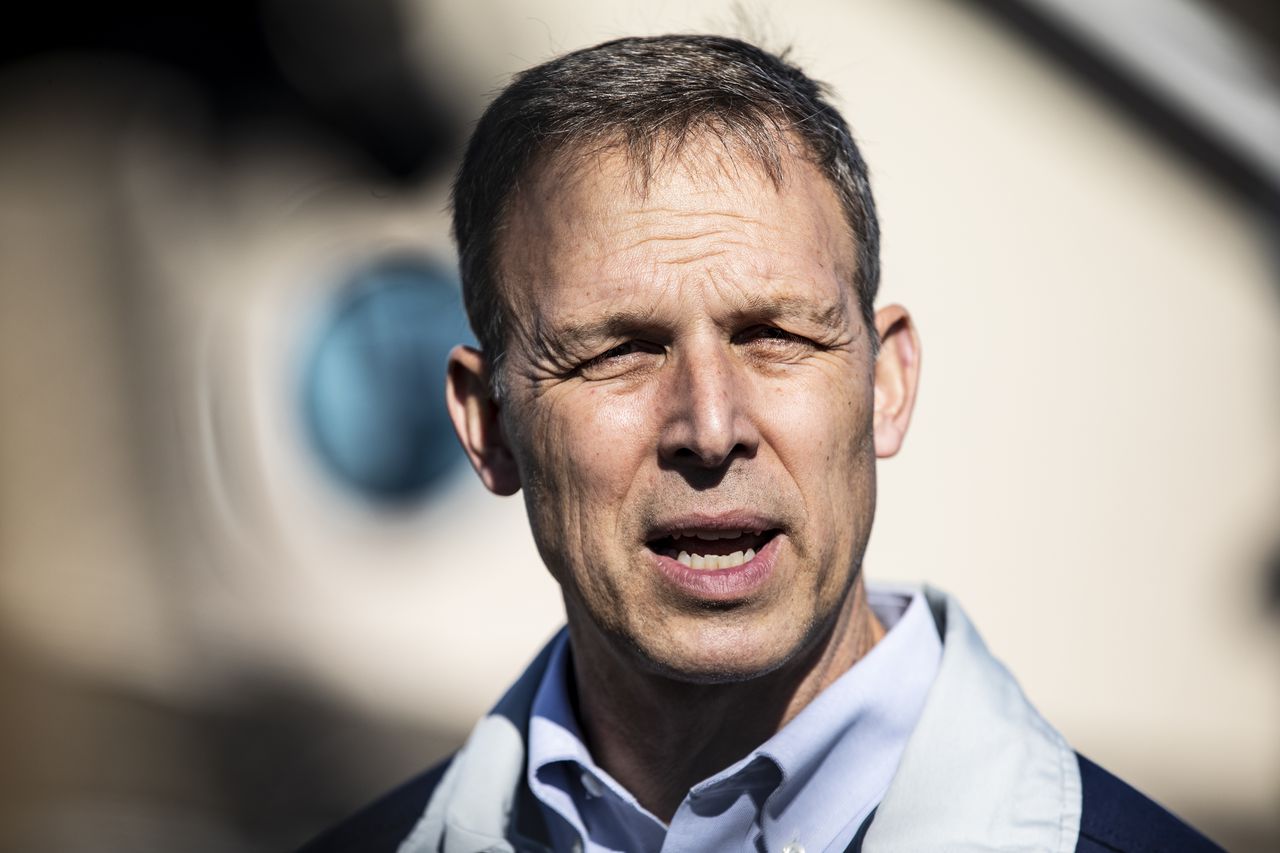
712, 457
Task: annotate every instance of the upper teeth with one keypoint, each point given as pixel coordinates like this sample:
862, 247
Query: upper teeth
716, 561
711, 535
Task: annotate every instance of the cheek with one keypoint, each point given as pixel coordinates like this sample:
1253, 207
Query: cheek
823, 426
824, 439
604, 439
583, 452
851, 465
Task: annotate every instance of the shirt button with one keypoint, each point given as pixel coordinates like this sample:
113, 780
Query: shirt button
793, 847
577, 846
593, 786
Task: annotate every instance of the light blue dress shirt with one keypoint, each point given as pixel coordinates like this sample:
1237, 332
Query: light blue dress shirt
807, 789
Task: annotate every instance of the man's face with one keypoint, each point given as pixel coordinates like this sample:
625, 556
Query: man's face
688, 374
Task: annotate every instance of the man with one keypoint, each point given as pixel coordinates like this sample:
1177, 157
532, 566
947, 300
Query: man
669, 254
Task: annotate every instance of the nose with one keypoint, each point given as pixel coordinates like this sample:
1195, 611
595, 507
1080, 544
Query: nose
708, 419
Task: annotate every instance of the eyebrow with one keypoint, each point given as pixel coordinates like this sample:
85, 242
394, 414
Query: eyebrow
615, 324
754, 306
827, 314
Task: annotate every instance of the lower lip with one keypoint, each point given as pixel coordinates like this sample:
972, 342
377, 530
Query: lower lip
722, 585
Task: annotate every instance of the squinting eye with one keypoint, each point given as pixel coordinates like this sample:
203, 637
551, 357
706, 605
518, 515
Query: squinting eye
616, 360
620, 350
768, 333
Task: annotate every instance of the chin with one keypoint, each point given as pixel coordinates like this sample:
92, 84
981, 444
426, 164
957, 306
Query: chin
720, 655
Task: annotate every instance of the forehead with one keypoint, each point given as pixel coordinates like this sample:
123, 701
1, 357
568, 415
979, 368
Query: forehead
595, 228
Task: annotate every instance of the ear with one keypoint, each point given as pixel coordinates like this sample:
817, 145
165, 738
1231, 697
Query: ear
474, 413
897, 375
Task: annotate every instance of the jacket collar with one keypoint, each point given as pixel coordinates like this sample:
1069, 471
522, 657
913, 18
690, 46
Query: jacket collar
982, 769
481, 799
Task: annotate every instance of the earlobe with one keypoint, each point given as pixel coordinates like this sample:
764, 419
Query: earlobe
475, 416
897, 375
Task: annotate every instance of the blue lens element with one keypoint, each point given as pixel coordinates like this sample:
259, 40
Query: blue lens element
373, 380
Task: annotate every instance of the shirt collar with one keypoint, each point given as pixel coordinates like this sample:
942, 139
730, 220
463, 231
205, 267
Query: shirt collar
566, 779
842, 748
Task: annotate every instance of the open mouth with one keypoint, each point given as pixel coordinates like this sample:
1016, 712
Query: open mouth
712, 549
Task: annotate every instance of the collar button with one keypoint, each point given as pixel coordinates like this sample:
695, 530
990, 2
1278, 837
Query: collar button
592, 785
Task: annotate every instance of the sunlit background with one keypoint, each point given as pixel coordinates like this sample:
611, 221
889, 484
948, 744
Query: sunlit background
247, 581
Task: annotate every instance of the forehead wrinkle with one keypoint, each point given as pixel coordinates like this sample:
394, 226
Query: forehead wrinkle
675, 238
662, 225
676, 249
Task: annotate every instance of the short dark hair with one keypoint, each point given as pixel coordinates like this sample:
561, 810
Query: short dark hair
646, 95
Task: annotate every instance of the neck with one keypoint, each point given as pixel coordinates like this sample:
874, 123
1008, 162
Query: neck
659, 737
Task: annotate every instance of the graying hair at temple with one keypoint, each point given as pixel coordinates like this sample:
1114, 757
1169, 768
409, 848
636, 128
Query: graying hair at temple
650, 97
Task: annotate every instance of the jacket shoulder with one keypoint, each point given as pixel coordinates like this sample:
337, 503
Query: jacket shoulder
1116, 818
383, 824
